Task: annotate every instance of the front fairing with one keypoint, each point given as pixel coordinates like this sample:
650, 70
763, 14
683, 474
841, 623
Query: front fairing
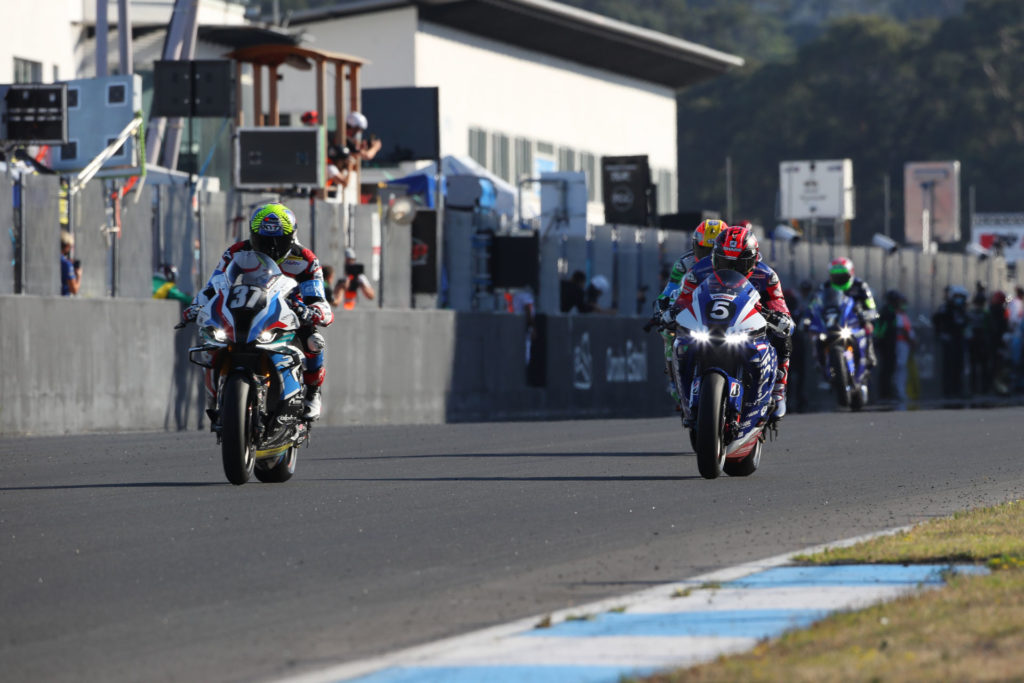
249, 303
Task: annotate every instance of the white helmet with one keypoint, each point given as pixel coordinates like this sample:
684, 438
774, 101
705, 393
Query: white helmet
357, 120
600, 283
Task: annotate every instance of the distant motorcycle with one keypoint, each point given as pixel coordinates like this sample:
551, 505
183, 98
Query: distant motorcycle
722, 338
841, 341
248, 333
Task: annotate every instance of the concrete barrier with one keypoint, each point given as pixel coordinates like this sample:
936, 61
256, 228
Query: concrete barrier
88, 365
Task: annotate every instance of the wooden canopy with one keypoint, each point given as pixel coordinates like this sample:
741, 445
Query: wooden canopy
273, 56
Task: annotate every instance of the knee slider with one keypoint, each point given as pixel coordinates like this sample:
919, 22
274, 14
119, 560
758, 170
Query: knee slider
316, 343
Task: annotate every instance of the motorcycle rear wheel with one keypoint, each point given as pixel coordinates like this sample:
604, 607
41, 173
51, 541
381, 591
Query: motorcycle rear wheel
710, 419
280, 472
236, 431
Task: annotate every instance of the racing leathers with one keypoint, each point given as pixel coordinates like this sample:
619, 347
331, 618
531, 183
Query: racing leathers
867, 312
680, 268
773, 308
303, 266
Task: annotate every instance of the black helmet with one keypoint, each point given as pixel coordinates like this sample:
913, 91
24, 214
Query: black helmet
272, 230
735, 249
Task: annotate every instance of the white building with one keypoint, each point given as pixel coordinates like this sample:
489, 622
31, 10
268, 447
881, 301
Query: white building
524, 85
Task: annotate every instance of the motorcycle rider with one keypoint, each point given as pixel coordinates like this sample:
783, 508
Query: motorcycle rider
272, 232
701, 242
736, 248
841, 276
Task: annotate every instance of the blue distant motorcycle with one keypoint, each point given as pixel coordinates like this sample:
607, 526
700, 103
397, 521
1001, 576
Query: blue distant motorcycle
841, 346
728, 368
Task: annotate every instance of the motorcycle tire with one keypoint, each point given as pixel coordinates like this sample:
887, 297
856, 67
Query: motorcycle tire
710, 420
858, 397
236, 431
840, 376
746, 466
280, 472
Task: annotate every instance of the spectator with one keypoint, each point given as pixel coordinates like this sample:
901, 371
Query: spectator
359, 149
329, 283
573, 293
950, 324
904, 343
597, 288
522, 302
70, 271
979, 344
165, 284
336, 175
347, 291
885, 340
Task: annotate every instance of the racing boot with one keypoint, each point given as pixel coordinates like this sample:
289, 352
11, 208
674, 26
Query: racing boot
312, 402
870, 360
779, 392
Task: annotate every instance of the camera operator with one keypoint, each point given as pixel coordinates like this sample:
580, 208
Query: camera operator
347, 291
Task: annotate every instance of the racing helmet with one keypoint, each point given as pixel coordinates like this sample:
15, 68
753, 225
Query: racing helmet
165, 271
840, 273
272, 230
703, 238
735, 249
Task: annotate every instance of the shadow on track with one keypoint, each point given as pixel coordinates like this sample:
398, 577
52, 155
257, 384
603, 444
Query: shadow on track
129, 485
418, 456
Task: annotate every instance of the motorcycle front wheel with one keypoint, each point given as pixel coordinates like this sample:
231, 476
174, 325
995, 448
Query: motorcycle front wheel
840, 376
710, 419
236, 431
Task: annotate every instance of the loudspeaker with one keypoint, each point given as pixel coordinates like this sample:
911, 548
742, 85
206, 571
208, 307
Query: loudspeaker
279, 157
196, 88
424, 252
626, 182
35, 114
515, 261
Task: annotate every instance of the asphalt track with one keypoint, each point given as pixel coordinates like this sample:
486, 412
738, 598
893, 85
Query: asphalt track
127, 557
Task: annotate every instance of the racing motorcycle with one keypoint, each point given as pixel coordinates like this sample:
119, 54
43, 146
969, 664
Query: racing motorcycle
721, 337
841, 344
247, 329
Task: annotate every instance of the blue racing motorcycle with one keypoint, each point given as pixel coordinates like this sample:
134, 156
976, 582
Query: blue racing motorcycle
840, 343
726, 372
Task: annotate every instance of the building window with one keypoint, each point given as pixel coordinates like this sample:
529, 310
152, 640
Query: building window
27, 71
502, 166
524, 158
478, 146
566, 159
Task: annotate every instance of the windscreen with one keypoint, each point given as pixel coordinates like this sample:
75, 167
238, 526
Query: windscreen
251, 268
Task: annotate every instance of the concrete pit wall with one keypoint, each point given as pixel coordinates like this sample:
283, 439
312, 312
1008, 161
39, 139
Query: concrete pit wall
95, 365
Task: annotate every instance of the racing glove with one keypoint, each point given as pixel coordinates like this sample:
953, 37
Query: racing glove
188, 315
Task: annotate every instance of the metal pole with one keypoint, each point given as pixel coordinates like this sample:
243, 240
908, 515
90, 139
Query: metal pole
102, 33
116, 236
312, 220
19, 237
728, 190
124, 35
885, 195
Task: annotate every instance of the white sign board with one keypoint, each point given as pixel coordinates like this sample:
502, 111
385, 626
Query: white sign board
816, 189
1000, 231
931, 201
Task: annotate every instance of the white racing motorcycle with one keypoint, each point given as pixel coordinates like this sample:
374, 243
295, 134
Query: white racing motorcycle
247, 329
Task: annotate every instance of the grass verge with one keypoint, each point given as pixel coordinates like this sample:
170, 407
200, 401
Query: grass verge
970, 629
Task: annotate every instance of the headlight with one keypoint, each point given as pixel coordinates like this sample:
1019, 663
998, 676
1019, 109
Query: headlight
266, 336
822, 336
700, 336
845, 333
734, 338
216, 333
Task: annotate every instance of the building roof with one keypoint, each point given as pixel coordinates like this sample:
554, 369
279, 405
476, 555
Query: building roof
561, 31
